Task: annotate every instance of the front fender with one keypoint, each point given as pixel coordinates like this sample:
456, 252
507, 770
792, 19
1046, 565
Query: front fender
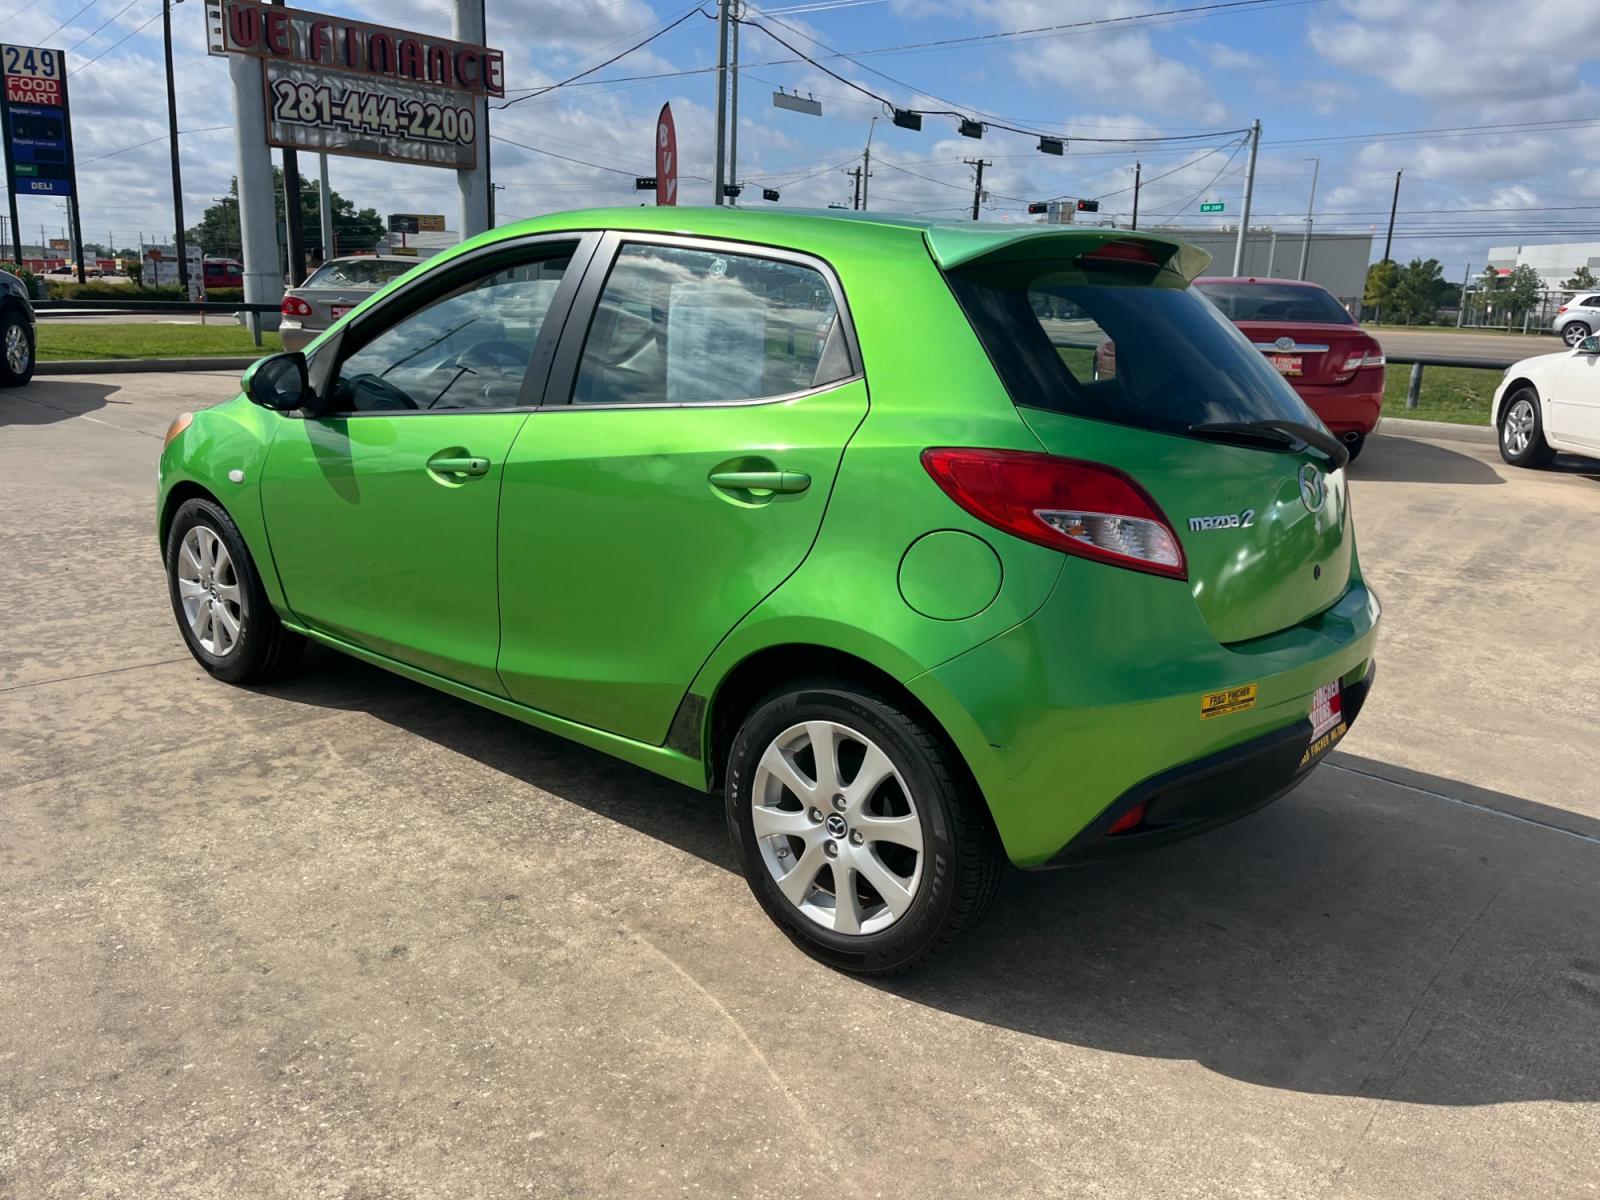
222, 452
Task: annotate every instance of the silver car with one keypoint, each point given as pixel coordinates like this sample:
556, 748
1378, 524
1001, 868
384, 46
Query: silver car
333, 290
1578, 317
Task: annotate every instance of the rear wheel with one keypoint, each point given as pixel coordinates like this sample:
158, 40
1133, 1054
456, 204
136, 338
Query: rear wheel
16, 350
222, 610
1574, 332
1522, 441
854, 830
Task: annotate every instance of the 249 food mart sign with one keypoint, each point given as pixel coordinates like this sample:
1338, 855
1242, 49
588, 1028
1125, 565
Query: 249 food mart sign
347, 87
34, 121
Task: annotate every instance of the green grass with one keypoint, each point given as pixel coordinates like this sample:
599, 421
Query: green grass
62, 340
1460, 395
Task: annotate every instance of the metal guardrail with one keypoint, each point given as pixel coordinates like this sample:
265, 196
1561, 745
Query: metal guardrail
1418, 361
135, 307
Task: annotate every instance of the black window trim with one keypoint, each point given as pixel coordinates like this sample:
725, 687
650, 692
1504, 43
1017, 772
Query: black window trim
563, 376
434, 285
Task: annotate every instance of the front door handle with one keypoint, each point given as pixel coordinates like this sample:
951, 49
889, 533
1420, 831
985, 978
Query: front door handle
784, 483
458, 464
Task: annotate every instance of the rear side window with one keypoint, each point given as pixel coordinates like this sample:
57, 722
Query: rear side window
1275, 302
1118, 350
681, 326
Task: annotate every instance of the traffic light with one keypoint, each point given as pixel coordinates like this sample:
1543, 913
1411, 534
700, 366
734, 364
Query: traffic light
1040, 207
1050, 145
769, 193
908, 119
644, 183
1088, 206
972, 129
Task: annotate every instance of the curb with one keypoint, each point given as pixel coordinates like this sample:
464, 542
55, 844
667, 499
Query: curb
1448, 430
123, 366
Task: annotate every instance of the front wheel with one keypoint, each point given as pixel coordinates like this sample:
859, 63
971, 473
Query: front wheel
1522, 441
222, 609
16, 350
854, 830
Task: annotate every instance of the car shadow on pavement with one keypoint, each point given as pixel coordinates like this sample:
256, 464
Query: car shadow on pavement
1379, 933
46, 401
1390, 458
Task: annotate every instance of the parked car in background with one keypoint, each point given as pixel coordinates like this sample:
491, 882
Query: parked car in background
1550, 402
223, 273
1335, 365
333, 290
600, 473
1577, 318
16, 332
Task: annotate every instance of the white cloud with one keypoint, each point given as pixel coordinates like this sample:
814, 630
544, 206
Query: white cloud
1224, 57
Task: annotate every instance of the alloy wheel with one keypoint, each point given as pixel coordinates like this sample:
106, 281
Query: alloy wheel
17, 353
1518, 430
837, 827
1574, 333
208, 587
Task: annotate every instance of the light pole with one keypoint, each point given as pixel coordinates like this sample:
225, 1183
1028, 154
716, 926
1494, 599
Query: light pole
722, 102
172, 139
1311, 204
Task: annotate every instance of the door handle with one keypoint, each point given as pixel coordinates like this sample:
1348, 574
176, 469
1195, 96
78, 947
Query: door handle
784, 483
458, 464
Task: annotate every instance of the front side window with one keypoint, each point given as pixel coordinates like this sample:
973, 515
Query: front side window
468, 349
679, 326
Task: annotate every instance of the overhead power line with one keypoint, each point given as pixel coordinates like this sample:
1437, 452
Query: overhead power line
600, 66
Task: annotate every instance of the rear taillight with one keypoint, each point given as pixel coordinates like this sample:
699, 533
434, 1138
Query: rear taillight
1129, 820
1372, 356
1562, 309
1082, 508
293, 306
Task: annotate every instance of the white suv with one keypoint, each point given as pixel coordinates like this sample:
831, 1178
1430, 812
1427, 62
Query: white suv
1578, 317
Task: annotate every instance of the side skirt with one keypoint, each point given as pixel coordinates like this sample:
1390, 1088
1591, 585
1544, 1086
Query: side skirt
663, 760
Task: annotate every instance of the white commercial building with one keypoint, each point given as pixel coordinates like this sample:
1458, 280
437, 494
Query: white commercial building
1338, 261
1555, 261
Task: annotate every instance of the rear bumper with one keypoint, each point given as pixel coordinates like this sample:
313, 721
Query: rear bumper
297, 337
1209, 791
1354, 407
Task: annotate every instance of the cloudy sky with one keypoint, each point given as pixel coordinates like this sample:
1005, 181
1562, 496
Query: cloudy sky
1488, 108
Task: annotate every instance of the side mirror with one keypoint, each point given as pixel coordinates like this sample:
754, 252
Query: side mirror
1590, 345
279, 382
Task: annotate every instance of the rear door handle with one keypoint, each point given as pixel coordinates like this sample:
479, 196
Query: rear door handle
458, 464
784, 483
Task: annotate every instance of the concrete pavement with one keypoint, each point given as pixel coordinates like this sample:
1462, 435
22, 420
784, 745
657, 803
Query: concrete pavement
347, 937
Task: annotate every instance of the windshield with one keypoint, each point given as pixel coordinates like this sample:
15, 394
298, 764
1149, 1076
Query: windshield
1119, 350
1275, 302
358, 272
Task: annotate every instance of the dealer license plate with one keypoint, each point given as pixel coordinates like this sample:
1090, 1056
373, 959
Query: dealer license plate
1327, 722
335, 311
1287, 364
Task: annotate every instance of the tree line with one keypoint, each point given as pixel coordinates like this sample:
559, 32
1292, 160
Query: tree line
1413, 294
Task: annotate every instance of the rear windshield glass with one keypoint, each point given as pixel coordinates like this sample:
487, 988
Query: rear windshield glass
358, 272
1155, 357
1275, 302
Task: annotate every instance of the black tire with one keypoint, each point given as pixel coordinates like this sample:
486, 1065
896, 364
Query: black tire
1355, 445
961, 858
1574, 332
1537, 452
264, 649
12, 320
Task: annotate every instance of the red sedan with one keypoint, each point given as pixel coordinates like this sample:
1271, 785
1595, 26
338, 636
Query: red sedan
1335, 365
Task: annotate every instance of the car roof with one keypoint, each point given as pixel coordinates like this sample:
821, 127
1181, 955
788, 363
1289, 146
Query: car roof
951, 243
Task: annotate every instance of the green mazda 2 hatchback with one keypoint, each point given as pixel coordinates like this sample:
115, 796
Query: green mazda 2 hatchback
928, 546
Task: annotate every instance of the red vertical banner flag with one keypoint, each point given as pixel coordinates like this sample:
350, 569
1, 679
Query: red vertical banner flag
666, 158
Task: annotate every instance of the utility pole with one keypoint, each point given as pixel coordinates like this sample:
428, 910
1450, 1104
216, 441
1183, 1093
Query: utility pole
977, 187
1311, 204
733, 67
1461, 307
855, 187
325, 210
1249, 195
866, 162
722, 102
469, 23
1136, 172
1394, 206
172, 145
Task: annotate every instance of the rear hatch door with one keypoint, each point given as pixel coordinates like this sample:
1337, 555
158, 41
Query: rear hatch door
1262, 518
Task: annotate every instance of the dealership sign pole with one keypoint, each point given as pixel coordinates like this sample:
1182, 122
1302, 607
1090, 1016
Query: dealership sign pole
315, 81
36, 127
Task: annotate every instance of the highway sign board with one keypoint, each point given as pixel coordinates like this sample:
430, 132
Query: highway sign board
1213, 206
37, 125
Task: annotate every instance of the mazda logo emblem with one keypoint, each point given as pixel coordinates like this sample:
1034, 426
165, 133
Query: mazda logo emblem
1313, 489
836, 826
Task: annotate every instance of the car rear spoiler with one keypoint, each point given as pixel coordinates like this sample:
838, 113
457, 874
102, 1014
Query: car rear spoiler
954, 246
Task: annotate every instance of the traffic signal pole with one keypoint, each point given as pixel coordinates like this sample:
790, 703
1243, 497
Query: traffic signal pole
1394, 206
977, 186
1134, 224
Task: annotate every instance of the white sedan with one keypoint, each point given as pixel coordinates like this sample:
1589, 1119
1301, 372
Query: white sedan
1550, 403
